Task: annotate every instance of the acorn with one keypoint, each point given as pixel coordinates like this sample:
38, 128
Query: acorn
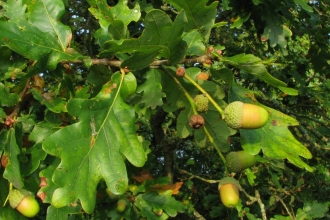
24, 202
229, 192
202, 103
196, 121
244, 115
239, 161
121, 205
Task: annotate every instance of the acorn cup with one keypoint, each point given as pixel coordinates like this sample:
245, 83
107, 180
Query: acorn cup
229, 192
201, 102
239, 161
244, 115
24, 202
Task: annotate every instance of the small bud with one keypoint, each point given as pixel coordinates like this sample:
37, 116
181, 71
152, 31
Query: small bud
180, 71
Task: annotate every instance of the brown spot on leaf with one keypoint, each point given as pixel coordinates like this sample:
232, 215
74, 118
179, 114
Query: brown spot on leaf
43, 182
42, 195
274, 122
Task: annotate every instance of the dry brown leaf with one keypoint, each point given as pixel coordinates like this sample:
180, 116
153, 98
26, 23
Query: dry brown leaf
143, 176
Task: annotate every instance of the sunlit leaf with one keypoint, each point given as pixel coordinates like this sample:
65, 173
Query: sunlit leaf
274, 139
95, 148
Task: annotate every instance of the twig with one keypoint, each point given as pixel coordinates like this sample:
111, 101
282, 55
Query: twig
286, 208
198, 177
198, 216
154, 64
256, 198
261, 205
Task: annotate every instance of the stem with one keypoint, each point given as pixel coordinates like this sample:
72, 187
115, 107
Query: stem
154, 64
284, 205
205, 93
217, 149
198, 177
190, 99
10, 188
192, 103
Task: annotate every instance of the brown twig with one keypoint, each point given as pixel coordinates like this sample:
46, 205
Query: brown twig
286, 208
198, 177
154, 64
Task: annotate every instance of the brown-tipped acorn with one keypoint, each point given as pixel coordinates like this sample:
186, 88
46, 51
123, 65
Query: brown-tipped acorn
24, 202
121, 205
239, 161
229, 192
196, 121
244, 115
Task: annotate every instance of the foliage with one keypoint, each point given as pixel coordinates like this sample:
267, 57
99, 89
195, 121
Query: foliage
92, 110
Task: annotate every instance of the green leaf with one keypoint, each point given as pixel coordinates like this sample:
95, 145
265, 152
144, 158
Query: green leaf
182, 124
42, 130
200, 15
250, 176
316, 209
45, 15
304, 5
113, 20
254, 66
276, 31
95, 148
41, 35
289, 91
14, 9
62, 213
56, 105
194, 40
217, 128
161, 37
129, 85
152, 89
240, 20
11, 150
274, 139
6, 98
46, 175
2, 115
37, 154
148, 201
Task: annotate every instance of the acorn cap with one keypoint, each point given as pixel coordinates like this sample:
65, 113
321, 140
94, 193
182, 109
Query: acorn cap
238, 161
233, 114
16, 196
229, 180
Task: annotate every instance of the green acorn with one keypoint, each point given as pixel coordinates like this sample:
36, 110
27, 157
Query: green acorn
24, 202
238, 161
229, 191
202, 103
244, 115
121, 205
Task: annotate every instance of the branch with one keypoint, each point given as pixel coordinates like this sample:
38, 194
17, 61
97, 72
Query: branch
256, 198
286, 208
198, 177
154, 64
